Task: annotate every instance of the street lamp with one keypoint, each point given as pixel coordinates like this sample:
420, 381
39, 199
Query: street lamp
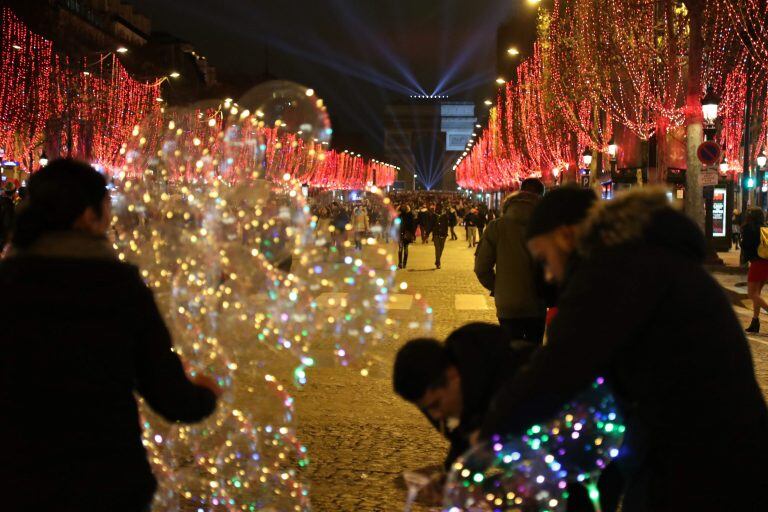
43, 159
710, 105
501, 80
174, 74
762, 160
513, 51
587, 157
613, 149
488, 103
724, 166
122, 49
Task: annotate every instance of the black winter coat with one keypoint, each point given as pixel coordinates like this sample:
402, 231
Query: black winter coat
407, 227
675, 353
484, 365
440, 227
80, 336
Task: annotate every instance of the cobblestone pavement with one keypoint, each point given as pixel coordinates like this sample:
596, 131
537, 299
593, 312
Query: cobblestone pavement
361, 437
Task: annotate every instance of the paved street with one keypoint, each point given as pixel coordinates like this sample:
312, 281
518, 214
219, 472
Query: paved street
361, 436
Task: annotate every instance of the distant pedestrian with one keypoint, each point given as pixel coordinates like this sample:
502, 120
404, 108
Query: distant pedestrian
504, 266
407, 235
758, 266
82, 338
470, 222
736, 229
440, 234
422, 217
360, 225
452, 221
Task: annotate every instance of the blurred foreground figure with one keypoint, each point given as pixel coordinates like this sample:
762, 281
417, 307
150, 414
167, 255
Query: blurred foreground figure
82, 334
638, 307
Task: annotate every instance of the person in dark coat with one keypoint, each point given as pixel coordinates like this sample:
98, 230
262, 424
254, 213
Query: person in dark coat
81, 335
482, 220
407, 235
452, 383
470, 222
453, 220
440, 233
504, 267
670, 345
758, 267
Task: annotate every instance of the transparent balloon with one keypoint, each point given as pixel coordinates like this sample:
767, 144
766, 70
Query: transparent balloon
349, 267
586, 435
291, 108
505, 476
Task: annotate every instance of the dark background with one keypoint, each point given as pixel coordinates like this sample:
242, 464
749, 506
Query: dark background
358, 55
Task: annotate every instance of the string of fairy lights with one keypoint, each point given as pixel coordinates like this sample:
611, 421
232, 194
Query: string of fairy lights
602, 63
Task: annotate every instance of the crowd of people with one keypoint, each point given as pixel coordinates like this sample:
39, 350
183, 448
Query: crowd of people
618, 290
582, 289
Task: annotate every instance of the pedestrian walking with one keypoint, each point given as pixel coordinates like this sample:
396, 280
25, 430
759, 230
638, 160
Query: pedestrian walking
440, 234
82, 335
668, 343
407, 235
470, 222
360, 225
736, 229
504, 266
482, 221
423, 219
453, 219
753, 239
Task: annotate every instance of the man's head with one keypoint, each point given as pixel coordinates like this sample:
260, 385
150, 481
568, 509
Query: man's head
552, 229
425, 376
532, 186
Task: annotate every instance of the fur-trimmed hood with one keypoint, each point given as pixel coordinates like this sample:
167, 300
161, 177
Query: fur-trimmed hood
643, 217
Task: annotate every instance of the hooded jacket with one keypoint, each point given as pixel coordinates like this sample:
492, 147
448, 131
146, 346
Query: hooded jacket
668, 341
504, 266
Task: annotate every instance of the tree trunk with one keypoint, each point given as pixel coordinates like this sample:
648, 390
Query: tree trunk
694, 195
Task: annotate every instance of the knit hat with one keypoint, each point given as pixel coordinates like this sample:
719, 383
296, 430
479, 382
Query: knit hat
563, 206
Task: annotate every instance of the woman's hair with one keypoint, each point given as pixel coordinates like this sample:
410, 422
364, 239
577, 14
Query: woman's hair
755, 216
57, 196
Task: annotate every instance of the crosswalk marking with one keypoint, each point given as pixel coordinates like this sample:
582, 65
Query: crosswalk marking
470, 302
404, 301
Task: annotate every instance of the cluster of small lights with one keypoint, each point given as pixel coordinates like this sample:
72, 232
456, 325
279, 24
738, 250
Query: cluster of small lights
628, 66
532, 473
428, 96
209, 207
99, 102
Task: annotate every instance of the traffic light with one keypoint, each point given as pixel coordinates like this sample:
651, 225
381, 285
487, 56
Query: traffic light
750, 183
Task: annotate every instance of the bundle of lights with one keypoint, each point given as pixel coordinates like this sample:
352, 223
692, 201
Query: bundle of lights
750, 23
83, 110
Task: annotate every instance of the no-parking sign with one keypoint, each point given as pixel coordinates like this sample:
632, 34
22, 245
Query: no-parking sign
709, 153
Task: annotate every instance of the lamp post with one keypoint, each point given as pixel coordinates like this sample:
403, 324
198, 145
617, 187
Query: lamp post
43, 159
586, 157
414, 182
761, 161
613, 153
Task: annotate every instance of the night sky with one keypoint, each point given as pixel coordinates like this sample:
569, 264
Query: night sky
357, 54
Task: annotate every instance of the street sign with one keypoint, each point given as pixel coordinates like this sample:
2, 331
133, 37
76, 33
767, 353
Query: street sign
585, 181
709, 178
710, 153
